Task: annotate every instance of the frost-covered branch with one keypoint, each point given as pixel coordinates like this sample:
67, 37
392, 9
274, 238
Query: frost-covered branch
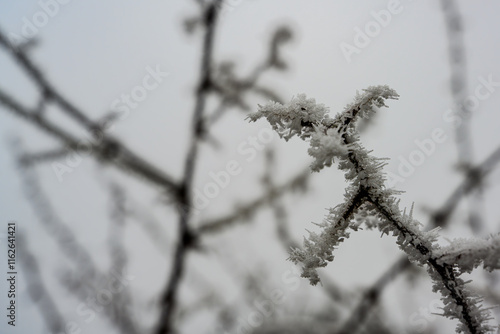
366, 199
439, 218
468, 254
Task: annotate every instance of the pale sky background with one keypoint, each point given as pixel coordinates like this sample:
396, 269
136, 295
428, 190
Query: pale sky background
94, 51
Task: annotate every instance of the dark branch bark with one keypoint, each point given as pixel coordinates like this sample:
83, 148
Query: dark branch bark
439, 218
458, 86
108, 150
38, 292
185, 238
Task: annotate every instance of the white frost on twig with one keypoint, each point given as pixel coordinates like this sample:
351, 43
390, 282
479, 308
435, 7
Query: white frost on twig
368, 201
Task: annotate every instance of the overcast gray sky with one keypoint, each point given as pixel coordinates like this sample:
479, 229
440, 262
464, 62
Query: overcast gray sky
94, 51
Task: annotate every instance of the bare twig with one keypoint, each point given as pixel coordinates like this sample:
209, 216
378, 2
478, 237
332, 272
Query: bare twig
122, 302
109, 150
458, 84
232, 89
185, 239
473, 180
86, 275
246, 210
371, 297
56, 228
50, 155
38, 292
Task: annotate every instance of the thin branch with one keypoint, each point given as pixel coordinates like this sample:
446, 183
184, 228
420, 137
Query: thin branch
185, 240
122, 303
280, 215
473, 181
109, 146
49, 155
151, 226
247, 210
458, 83
371, 297
38, 292
43, 83
233, 89
109, 150
86, 274
50, 221
117, 228
116, 313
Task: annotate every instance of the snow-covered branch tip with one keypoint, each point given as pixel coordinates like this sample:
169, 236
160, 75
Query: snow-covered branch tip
308, 120
468, 254
368, 201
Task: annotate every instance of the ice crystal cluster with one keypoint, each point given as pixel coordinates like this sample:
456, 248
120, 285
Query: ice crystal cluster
368, 202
